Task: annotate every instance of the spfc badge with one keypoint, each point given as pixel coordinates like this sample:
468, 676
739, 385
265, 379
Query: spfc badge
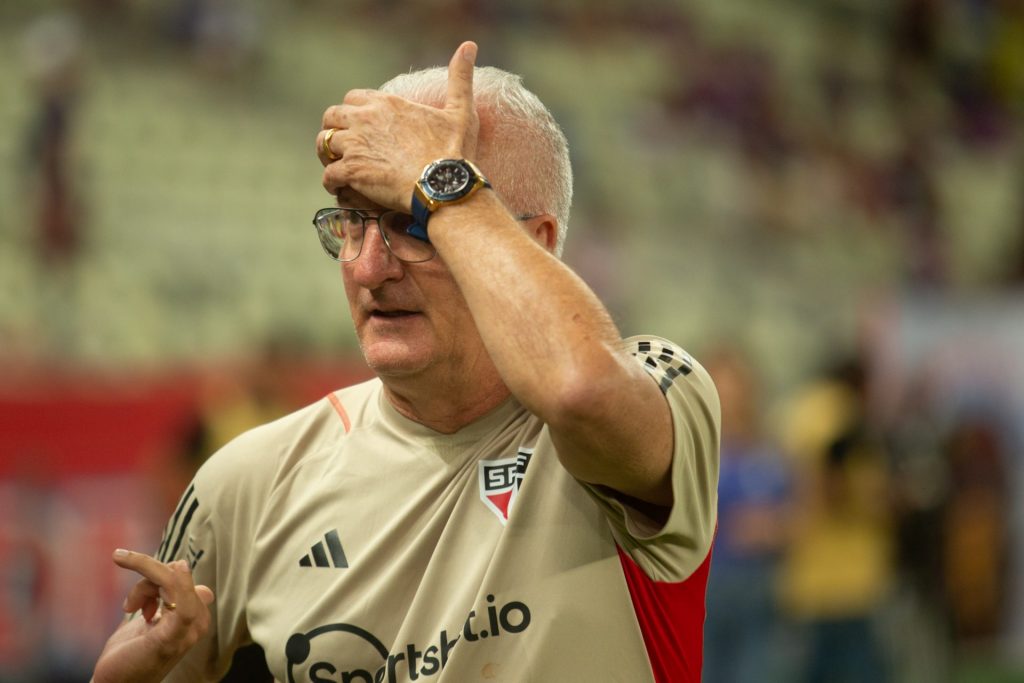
500, 481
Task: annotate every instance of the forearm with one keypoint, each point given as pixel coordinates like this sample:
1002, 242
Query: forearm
556, 348
547, 333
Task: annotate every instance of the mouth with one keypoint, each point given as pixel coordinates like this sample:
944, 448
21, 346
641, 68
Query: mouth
397, 314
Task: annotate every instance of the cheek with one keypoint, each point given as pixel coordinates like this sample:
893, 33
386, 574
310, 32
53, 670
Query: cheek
459, 329
351, 290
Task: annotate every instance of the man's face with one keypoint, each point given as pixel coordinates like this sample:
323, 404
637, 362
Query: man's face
409, 317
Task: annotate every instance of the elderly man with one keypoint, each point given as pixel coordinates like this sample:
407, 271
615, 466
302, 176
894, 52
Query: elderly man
519, 495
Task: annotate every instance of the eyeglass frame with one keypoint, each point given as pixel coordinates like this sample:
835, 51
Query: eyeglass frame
368, 214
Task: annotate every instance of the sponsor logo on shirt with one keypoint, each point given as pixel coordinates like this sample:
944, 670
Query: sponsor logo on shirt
320, 655
333, 555
500, 481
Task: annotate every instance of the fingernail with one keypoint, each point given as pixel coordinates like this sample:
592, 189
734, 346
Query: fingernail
120, 552
124, 606
469, 53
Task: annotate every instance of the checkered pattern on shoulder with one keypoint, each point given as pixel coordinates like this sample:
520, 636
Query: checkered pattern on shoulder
663, 360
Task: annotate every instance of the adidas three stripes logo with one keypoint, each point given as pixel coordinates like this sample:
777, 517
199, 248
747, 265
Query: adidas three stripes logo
319, 554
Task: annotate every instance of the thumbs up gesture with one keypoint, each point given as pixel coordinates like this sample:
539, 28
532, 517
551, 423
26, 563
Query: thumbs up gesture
377, 144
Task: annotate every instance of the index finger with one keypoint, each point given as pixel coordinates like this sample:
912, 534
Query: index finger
460, 77
149, 567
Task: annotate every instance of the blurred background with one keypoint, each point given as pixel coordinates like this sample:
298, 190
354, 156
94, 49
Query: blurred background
823, 200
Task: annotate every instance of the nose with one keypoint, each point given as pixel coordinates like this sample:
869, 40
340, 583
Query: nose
375, 264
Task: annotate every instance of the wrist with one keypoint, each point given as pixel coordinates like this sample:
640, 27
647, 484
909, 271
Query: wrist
444, 182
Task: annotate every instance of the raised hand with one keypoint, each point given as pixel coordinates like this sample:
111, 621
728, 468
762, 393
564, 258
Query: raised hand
174, 616
377, 143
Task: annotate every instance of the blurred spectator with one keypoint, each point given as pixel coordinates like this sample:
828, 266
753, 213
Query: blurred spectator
23, 582
230, 401
1015, 270
914, 198
743, 627
52, 48
1007, 54
224, 35
920, 478
976, 528
838, 569
53, 55
732, 93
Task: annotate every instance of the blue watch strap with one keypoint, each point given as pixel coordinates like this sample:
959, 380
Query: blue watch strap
421, 215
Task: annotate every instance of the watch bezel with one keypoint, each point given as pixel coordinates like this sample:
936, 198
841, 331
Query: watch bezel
473, 177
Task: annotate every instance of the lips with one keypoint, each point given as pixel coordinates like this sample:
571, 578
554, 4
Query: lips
389, 315
390, 311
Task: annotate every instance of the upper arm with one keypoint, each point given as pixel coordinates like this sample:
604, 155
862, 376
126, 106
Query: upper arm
627, 427
671, 541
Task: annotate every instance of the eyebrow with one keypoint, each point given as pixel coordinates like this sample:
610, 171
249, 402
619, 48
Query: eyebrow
343, 197
347, 199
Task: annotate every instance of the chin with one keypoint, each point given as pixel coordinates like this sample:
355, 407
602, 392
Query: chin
394, 359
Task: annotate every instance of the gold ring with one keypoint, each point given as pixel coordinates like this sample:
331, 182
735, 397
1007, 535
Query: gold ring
328, 152
170, 606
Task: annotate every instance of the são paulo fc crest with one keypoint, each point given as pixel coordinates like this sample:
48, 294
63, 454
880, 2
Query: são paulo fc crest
500, 481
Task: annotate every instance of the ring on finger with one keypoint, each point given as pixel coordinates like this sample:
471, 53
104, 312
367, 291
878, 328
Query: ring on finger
169, 606
328, 152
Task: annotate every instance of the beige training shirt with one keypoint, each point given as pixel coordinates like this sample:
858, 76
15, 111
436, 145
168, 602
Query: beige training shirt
357, 546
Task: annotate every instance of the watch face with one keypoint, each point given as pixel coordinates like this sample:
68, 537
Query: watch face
447, 177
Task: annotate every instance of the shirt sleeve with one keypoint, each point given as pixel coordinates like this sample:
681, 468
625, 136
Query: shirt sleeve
678, 544
211, 529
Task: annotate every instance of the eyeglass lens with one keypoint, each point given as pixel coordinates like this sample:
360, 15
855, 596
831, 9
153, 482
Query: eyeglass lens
342, 231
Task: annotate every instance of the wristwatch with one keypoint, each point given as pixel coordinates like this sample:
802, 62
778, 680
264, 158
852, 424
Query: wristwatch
444, 182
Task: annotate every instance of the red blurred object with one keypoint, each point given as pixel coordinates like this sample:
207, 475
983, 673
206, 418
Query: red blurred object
58, 425
54, 427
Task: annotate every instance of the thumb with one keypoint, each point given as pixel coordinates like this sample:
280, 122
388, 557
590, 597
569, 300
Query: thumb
205, 594
460, 77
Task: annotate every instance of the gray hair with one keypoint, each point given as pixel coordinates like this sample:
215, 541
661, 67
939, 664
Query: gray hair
524, 152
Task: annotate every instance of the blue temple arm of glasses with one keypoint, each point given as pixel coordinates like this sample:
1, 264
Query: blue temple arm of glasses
418, 231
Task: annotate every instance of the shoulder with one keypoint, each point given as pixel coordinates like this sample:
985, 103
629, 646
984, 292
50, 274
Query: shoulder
250, 463
672, 367
358, 404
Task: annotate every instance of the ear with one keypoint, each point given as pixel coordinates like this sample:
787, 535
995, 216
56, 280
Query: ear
544, 230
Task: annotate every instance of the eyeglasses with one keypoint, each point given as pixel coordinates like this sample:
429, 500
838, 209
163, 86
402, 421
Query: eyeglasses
342, 231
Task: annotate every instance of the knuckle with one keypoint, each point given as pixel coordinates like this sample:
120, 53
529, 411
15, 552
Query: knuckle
355, 94
334, 177
330, 114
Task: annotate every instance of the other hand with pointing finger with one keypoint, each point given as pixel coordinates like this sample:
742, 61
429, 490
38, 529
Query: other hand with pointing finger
174, 615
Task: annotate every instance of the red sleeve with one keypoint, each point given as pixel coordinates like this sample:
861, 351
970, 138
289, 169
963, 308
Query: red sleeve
671, 618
